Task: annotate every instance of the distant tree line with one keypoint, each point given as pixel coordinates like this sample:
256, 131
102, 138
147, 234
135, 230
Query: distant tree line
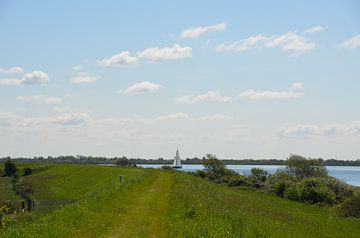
113, 160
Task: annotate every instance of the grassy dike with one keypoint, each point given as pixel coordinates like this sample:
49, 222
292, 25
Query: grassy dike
156, 203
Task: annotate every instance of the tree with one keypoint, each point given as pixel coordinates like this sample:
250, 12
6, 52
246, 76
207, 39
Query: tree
213, 166
9, 168
300, 167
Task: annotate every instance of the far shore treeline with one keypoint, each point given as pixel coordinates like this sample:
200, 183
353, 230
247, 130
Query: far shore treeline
195, 160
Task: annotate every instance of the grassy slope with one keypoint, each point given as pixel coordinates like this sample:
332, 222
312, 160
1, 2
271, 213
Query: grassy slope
166, 204
6, 192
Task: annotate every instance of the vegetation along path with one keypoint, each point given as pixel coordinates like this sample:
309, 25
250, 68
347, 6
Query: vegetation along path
160, 203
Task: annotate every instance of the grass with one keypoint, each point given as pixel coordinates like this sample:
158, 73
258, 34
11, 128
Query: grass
6, 191
157, 203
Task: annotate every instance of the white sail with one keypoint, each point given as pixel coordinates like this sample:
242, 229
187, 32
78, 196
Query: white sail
177, 160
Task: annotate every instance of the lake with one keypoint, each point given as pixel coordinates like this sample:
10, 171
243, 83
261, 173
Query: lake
350, 174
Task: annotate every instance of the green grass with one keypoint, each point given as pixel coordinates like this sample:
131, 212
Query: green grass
156, 203
6, 191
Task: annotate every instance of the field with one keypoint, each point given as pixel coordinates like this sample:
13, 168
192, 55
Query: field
86, 201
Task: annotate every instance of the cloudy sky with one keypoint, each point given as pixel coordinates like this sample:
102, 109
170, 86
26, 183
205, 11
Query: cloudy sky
241, 80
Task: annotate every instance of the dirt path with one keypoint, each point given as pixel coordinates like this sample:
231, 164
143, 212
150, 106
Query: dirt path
145, 216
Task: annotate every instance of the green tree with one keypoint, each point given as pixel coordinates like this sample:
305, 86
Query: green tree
259, 174
300, 167
214, 167
9, 168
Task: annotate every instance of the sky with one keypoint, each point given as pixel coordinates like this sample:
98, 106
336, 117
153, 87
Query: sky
239, 79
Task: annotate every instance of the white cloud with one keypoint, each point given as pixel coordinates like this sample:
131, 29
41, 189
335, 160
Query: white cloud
195, 32
252, 42
10, 81
317, 130
175, 116
84, 77
210, 96
78, 67
295, 91
122, 59
352, 43
166, 53
7, 119
34, 78
289, 41
66, 119
215, 117
315, 29
142, 87
40, 99
12, 70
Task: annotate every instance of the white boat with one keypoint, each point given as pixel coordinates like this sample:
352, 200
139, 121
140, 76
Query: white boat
177, 161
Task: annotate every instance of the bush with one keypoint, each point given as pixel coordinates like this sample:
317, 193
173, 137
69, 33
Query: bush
166, 167
339, 187
293, 192
200, 173
239, 181
214, 167
312, 190
279, 182
27, 171
259, 174
9, 168
351, 206
300, 167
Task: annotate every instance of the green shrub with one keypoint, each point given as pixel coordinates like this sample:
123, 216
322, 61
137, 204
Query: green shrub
351, 206
339, 187
239, 181
200, 173
300, 167
259, 174
279, 182
27, 171
214, 167
293, 192
9, 168
314, 191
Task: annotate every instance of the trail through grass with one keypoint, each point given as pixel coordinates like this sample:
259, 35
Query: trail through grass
145, 216
158, 203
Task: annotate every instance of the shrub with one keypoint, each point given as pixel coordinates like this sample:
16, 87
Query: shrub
312, 190
351, 206
259, 174
9, 168
214, 167
239, 181
293, 192
300, 167
339, 187
27, 171
200, 173
166, 167
279, 182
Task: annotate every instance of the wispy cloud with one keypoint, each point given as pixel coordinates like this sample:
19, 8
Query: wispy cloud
318, 130
315, 29
215, 117
210, 96
294, 91
290, 41
84, 77
175, 116
12, 70
142, 87
195, 32
40, 99
352, 43
167, 53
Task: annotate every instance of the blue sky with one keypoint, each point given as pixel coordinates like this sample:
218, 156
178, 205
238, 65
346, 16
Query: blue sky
239, 79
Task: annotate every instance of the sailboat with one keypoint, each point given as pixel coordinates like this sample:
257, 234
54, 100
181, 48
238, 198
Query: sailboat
177, 161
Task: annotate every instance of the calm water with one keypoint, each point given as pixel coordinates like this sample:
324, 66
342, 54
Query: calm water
350, 174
